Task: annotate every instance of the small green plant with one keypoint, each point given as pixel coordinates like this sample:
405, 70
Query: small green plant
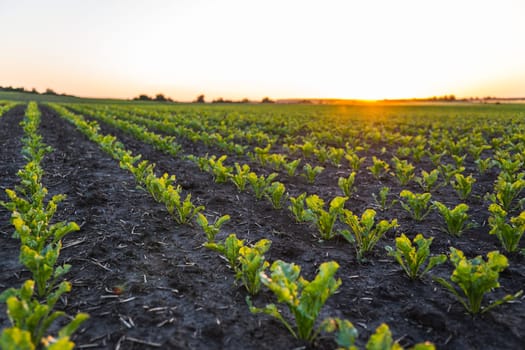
251, 264
276, 160
157, 186
335, 155
473, 278
378, 168
354, 160
276, 194
220, 172
413, 255
291, 167
509, 232
403, 152
463, 185
505, 192
346, 335
261, 154
416, 204
382, 199
382, 340
435, 158
347, 184
475, 150
403, 171
229, 248
456, 219
448, 171
428, 181
182, 211
260, 184
298, 208
418, 152
31, 319
240, 177
458, 160
303, 298
484, 165
308, 149
364, 232
323, 219
345, 332
211, 230
311, 172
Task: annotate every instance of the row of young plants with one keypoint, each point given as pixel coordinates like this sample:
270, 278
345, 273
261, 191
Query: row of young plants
403, 170
249, 265
407, 136
417, 205
417, 268
5, 106
508, 185
31, 308
304, 299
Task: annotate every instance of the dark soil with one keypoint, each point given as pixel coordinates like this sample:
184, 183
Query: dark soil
148, 283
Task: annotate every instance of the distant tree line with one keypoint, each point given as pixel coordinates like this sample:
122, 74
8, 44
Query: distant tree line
48, 91
199, 99
157, 98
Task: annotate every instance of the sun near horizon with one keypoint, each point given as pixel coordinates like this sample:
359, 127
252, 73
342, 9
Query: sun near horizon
235, 49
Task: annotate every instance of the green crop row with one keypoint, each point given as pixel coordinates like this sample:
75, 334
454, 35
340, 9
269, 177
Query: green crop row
30, 308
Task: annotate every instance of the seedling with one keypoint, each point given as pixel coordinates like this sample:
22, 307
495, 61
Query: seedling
448, 171
416, 204
303, 298
335, 155
347, 184
484, 165
413, 255
325, 220
276, 194
346, 335
311, 172
509, 232
364, 233
298, 208
260, 184
32, 319
506, 191
354, 160
456, 219
379, 167
382, 199
403, 171
474, 278
220, 172
463, 185
276, 160
182, 211
261, 154
251, 264
229, 248
211, 230
428, 181
291, 167
240, 177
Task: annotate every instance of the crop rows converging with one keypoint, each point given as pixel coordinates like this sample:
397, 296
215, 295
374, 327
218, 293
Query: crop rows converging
435, 196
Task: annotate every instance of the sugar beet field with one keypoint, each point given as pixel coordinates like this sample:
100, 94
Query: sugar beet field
187, 226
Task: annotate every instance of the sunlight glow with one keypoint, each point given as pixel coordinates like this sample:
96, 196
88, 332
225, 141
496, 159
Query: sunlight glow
234, 49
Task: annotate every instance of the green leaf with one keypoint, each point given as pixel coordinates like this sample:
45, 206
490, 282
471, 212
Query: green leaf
16, 339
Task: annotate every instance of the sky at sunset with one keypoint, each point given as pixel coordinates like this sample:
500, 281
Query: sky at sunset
234, 49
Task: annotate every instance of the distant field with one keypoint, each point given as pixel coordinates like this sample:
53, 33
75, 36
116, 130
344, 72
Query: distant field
299, 176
